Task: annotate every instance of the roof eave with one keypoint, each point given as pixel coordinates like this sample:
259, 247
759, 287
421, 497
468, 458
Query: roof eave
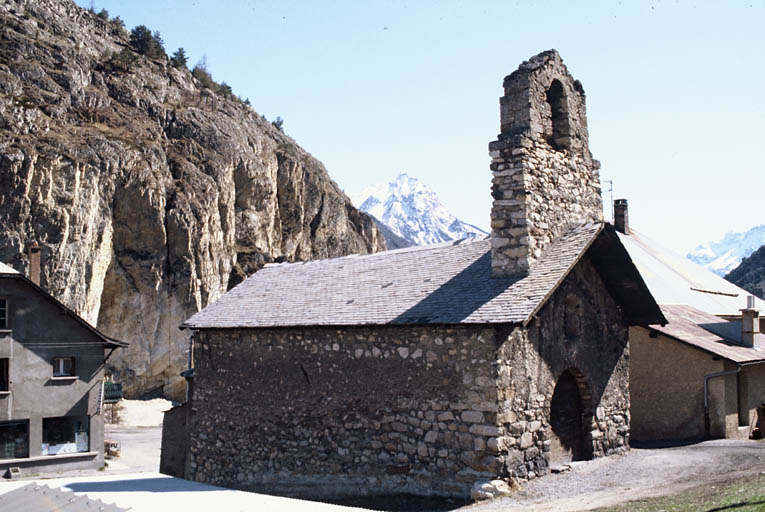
623, 279
706, 350
106, 340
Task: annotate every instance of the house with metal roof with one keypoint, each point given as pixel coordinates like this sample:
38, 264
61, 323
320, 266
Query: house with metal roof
428, 369
674, 279
51, 377
702, 374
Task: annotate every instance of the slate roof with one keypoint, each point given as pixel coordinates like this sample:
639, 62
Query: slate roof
439, 284
673, 278
690, 326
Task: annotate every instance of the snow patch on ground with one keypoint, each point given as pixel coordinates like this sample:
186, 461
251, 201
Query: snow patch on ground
143, 413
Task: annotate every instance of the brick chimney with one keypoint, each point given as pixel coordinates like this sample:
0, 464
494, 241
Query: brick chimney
750, 325
544, 177
621, 217
34, 263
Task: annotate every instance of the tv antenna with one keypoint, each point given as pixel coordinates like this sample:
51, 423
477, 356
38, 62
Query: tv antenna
611, 195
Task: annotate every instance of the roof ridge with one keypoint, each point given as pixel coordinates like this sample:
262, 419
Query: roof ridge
414, 248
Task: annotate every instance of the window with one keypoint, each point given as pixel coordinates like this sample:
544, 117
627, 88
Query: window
14, 439
3, 313
5, 380
63, 367
65, 434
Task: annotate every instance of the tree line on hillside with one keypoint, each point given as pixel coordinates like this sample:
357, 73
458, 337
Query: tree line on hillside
144, 42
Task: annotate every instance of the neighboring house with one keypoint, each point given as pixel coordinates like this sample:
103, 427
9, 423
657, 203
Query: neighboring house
674, 279
427, 369
698, 376
51, 375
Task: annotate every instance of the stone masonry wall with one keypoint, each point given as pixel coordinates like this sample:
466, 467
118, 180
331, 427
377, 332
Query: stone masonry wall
544, 177
579, 329
331, 412
324, 412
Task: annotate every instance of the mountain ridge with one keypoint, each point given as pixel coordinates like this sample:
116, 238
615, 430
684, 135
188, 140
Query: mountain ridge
750, 274
411, 210
724, 255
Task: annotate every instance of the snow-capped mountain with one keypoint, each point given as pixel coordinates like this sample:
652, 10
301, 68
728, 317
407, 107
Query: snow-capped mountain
723, 256
412, 211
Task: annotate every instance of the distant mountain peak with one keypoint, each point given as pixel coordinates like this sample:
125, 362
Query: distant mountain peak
413, 211
725, 254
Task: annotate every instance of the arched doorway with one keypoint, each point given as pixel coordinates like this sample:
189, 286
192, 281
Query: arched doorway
567, 415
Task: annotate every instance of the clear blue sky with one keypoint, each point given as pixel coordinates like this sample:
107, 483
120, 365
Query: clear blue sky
675, 92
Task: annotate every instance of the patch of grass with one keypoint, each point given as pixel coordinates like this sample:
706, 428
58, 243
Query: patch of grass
743, 495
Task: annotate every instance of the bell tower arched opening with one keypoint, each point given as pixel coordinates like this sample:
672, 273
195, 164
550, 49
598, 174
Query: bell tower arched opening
559, 136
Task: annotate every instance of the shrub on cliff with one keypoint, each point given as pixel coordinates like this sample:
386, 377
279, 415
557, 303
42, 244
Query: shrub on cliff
146, 43
118, 26
179, 58
205, 79
120, 61
225, 90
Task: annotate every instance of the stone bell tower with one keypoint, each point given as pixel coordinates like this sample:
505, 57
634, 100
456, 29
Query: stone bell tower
544, 177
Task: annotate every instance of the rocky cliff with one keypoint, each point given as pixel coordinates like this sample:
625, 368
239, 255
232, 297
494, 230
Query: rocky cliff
149, 194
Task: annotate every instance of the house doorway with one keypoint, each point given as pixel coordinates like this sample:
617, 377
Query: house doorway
566, 421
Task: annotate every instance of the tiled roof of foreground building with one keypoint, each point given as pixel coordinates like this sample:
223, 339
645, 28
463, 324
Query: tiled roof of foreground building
440, 284
707, 332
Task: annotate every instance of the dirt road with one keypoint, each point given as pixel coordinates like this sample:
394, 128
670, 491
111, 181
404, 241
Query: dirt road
141, 448
640, 473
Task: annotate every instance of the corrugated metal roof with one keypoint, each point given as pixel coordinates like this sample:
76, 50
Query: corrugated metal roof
675, 279
34, 497
442, 284
686, 324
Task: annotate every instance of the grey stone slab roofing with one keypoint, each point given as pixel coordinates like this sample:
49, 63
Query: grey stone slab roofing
439, 284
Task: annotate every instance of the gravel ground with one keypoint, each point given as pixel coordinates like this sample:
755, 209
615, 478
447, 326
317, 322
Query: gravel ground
640, 473
141, 448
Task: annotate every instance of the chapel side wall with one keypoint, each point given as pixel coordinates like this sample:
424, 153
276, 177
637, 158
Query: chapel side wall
667, 387
325, 412
592, 339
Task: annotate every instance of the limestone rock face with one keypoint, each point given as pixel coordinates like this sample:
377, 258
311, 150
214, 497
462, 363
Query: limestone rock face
149, 195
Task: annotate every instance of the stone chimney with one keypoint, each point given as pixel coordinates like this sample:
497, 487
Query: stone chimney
621, 217
750, 325
34, 263
544, 177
